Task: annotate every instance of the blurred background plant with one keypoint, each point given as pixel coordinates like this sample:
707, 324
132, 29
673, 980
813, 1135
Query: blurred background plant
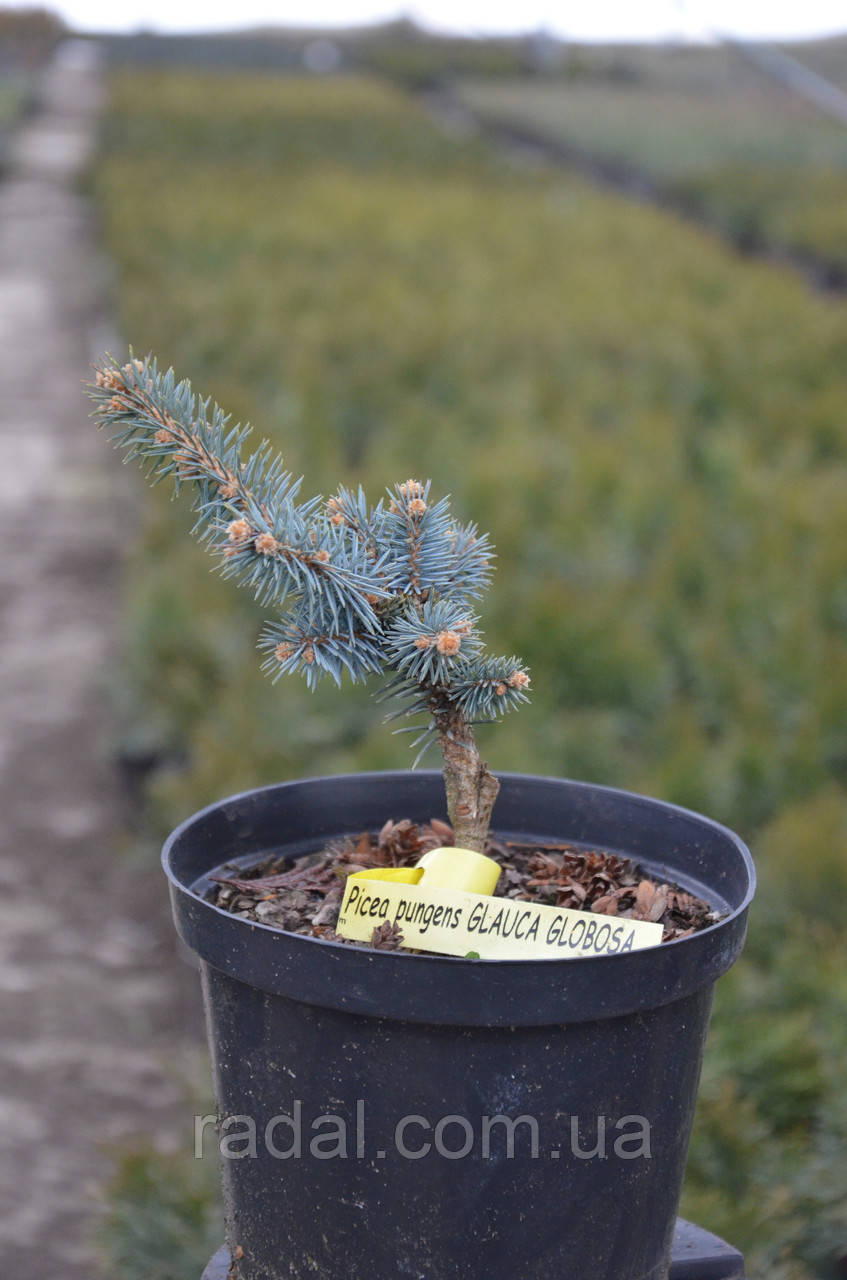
653, 428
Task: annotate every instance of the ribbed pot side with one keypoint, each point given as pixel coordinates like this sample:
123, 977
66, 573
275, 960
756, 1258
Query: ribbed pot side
393, 1114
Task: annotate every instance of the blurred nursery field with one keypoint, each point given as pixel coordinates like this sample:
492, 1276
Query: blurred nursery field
705, 128
655, 433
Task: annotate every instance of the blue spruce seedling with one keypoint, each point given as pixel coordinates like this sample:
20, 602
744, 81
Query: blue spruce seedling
359, 590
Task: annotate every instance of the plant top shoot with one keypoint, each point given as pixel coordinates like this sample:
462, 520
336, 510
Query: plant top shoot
357, 589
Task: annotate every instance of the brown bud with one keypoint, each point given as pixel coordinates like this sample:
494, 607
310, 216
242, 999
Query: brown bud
519, 680
238, 531
266, 544
448, 643
110, 379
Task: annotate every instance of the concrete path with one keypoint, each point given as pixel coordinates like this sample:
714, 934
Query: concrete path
94, 1005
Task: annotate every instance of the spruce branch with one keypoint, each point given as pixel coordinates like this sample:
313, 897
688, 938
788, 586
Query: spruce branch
362, 590
432, 642
248, 515
489, 688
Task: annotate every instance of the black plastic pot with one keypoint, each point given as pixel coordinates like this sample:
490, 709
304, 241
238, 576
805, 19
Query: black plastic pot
696, 1255
349, 1043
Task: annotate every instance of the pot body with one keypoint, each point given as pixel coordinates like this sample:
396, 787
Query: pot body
386, 1114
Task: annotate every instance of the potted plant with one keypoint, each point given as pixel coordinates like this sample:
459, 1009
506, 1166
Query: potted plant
386, 1112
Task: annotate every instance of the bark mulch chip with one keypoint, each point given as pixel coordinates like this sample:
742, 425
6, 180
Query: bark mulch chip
303, 895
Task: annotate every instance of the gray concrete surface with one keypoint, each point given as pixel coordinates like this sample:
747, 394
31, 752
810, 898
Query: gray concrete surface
96, 1013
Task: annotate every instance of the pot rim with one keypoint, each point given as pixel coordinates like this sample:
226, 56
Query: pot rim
685, 964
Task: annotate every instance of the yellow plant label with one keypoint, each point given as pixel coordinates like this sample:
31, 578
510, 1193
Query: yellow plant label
455, 923
455, 868
397, 875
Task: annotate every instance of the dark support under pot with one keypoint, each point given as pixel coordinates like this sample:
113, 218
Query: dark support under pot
600, 1055
697, 1255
